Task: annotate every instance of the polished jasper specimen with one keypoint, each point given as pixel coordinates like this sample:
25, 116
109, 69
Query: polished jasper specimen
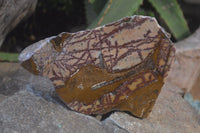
119, 66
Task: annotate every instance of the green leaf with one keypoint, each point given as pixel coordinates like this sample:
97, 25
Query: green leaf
115, 10
89, 11
98, 5
91, 1
93, 9
173, 17
8, 56
144, 12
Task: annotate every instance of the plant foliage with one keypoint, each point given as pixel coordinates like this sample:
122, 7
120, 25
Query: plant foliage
100, 12
9, 56
113, 10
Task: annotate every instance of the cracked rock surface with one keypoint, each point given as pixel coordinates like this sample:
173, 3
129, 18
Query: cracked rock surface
171, 114
28, 103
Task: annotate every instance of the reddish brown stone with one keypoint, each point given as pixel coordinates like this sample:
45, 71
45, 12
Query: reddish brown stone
119, 66
195, 91
185, 72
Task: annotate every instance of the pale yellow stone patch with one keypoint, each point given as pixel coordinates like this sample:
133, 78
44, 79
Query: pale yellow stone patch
147, 75
134, 84
83, 108
161, 62
122, 97
97, 102
58, 82
112, 98
166, 45
95, 105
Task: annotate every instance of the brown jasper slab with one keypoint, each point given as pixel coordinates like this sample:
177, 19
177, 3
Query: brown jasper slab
119, 66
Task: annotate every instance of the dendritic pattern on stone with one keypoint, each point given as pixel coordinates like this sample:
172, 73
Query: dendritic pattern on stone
119, 66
